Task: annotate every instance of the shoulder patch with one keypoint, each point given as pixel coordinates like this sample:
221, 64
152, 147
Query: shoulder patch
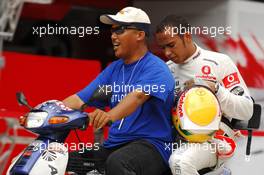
231, 80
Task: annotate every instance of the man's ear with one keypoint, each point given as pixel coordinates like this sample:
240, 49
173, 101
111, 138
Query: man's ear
187, 37
141, 35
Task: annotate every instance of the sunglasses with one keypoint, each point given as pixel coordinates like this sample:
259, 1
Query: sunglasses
121, 29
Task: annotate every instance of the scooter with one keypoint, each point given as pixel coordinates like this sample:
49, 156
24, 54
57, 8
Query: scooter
52, 121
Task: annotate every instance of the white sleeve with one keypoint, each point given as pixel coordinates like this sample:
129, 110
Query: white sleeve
233, 93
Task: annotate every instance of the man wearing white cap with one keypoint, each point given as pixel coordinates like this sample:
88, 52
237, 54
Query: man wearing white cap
142, 97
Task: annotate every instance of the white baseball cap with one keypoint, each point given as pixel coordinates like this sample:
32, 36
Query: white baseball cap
128, 16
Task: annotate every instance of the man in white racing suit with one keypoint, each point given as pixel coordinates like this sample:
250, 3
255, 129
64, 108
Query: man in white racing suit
187, 62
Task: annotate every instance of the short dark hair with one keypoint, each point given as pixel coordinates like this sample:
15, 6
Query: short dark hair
142, 26
173, 21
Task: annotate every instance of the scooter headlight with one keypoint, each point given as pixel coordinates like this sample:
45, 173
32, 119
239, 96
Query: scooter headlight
36, 119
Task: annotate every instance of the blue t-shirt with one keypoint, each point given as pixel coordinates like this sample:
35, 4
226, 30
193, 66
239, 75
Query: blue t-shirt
151, 121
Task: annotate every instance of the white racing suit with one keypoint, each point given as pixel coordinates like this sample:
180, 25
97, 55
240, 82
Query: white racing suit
232, 94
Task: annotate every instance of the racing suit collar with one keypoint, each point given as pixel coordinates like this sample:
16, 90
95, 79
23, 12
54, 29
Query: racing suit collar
194, 55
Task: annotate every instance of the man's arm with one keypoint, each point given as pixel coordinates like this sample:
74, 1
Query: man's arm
233, 93
235, 106
73, 102
125, 107
128, 105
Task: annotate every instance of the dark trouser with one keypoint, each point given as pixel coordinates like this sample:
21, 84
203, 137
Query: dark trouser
136, 158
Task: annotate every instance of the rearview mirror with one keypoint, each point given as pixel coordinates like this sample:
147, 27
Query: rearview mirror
21, 99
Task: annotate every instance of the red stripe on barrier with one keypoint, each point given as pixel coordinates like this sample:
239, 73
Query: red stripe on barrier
255, 133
